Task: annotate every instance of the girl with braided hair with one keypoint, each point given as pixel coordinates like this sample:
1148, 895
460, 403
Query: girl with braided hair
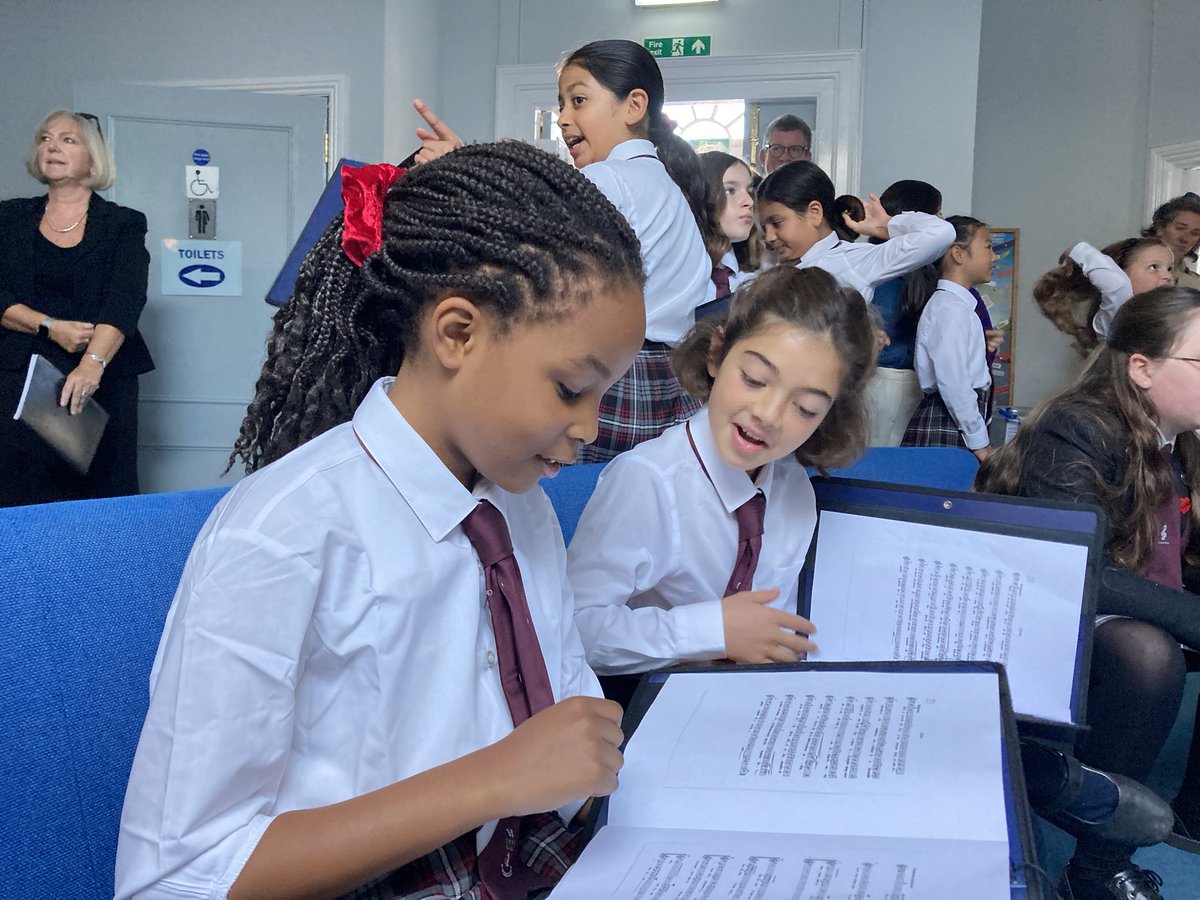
370, 683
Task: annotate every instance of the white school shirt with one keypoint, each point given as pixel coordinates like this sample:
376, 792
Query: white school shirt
1108, 278
951, 358
736, 279
677, 265
329, 637
657, 542
915, 239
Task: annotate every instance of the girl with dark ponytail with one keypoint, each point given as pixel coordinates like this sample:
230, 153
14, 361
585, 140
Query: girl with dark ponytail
370, 684
610, 99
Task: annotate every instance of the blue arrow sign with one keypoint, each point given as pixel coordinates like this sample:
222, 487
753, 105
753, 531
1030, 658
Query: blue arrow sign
201, 276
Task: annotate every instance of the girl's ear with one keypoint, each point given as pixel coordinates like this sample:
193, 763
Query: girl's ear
634, 108
716, 347
452, 330
1141, 371
814, 214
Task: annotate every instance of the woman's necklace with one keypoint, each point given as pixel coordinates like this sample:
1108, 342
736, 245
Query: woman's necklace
46, 221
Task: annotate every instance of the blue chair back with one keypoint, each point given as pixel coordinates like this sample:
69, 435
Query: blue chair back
84, 590
569, 492
936, 467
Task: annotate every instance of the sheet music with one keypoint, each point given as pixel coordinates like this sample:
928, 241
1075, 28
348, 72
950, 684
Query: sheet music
886, 589
842, 752
660, 864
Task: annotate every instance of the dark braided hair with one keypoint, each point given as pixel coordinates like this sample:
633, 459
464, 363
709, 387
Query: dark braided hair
506, 225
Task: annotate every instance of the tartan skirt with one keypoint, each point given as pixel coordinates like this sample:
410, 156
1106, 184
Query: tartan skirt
451, 872
645, 402
932, 425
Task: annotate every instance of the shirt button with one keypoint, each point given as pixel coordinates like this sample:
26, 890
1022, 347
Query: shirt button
491, 658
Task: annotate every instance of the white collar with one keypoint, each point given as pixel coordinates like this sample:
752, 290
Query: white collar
630, 149
733, 485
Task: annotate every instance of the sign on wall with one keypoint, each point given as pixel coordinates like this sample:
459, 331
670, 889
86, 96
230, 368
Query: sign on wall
700, 45
201, 268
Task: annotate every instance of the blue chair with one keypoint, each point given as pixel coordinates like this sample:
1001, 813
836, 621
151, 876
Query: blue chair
935, 467
86, 588
569, 492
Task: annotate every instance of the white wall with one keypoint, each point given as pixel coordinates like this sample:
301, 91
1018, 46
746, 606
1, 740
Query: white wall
1060, 145
910, 45
48, 46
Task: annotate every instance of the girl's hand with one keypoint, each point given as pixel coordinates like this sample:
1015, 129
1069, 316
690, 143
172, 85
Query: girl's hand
881, 339
757, 633
566, 752
438, 142
71, 336
80, 384
874, 222
993, 338
983, 453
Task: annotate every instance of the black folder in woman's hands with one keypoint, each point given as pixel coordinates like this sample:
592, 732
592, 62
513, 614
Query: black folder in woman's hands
75, 438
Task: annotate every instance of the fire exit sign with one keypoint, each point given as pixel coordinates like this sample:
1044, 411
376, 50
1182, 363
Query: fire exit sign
679, 46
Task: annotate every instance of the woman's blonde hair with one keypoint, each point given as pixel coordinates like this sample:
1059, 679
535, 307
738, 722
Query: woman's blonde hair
104, 169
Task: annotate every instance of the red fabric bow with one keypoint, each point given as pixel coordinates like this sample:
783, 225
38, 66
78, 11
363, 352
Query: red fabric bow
363, 190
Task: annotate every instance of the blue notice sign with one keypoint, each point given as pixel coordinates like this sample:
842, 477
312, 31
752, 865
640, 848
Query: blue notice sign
201, 276
200, 157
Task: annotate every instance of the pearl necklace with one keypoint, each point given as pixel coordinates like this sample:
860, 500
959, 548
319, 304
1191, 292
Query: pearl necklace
46, 222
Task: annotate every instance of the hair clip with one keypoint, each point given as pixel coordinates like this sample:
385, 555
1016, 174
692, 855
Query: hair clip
363, 190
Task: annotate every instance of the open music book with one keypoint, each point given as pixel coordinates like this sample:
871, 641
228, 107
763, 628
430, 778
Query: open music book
891, 780
910, 573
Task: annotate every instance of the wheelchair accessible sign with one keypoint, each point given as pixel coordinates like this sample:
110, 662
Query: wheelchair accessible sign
201, 268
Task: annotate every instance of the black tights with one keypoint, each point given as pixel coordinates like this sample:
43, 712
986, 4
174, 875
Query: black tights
1133, 700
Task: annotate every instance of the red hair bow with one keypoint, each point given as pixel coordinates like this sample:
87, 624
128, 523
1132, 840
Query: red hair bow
363, 190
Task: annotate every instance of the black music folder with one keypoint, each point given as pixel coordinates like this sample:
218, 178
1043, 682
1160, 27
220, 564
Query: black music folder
906, 573
815, 780
74, 437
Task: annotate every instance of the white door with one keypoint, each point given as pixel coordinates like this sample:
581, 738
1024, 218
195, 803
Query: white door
269, 153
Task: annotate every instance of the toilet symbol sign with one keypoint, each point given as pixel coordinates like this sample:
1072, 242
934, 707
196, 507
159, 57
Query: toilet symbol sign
203, 182
201, 268
202, 219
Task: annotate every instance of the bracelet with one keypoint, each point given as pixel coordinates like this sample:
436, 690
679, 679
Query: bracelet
96, 357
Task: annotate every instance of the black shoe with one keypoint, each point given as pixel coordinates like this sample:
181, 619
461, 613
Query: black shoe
1141, 817
1134, 883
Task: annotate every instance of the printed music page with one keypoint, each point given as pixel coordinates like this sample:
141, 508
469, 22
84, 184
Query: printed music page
654, 864
808, 784
891, 590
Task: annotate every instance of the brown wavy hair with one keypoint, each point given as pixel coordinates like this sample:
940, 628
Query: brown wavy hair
1150, 324
749, 252
1067, 297
813, 300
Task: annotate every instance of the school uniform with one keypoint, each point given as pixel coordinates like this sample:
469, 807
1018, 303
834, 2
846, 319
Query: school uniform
914, 239
652, 556
951, 365
727, 277
329, 637
1186, 274
648, 398
893, 392
1108, 278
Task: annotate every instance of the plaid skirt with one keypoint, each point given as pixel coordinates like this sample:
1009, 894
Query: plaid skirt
932, 425
645, 402
451, 872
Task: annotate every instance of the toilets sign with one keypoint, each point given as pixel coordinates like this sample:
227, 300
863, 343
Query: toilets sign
201, 268
700, 45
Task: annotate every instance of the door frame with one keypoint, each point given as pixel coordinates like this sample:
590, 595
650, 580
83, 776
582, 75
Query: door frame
331, 87
833, 78
1164, 174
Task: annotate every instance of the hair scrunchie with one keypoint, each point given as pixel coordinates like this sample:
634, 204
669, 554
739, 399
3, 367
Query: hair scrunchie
363, 190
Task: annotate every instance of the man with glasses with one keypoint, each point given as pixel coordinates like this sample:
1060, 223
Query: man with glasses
788, 138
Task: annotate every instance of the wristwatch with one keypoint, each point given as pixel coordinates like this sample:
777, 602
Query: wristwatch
44, 327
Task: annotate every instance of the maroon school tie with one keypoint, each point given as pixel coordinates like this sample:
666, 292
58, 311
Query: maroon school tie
750, 529
522, 675
720, 278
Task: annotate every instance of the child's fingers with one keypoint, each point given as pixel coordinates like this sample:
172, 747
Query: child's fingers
763, 596
441, 131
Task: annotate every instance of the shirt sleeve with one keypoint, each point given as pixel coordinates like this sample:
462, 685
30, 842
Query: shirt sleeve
125, 292
915, 239
957, 336
1108, 278
626, 543
201, 791
610, 185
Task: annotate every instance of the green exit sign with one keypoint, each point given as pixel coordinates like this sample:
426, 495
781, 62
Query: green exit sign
700, 45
